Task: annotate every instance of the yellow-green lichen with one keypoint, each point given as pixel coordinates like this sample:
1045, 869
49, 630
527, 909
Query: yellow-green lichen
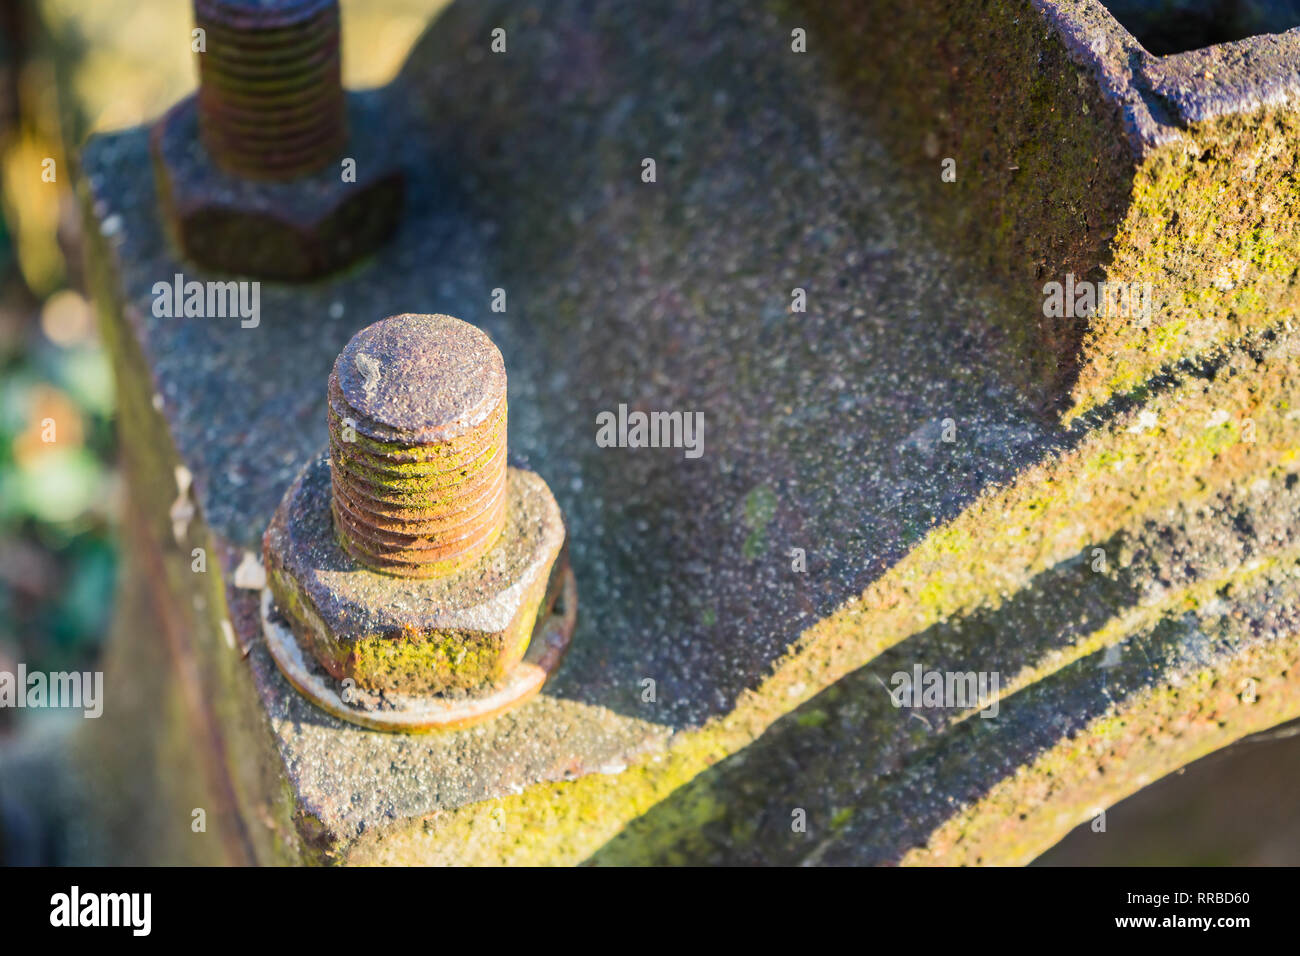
1214, 224
1057, 509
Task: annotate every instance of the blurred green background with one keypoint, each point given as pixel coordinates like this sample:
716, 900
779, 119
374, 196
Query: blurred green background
69, 68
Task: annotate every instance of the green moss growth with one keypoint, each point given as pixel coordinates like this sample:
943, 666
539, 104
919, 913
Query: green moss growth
1048, 183
409, 480
1042, 160
1115, 479
760, 509
1214, 224
1166, 728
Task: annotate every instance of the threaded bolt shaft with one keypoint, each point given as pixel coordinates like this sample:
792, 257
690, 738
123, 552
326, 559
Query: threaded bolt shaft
271, 102
417, 423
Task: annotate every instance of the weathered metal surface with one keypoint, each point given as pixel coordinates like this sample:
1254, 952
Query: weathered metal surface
457, 632
428, 497
270, 100
412, 714
1082, 154
271, 170
348, 541
826, 431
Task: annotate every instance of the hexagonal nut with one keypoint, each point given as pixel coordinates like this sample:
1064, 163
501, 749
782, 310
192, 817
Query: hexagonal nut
293, 230
457, 635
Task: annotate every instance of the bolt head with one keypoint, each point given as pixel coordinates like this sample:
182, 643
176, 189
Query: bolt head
456, 635
421, 379
295, 230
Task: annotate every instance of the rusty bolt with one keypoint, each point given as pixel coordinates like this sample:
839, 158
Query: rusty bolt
271, 169
416, 581
270, 99
419, 478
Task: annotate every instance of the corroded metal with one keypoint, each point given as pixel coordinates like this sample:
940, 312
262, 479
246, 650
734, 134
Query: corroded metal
550, 640
271, 101
411, 562
426, 494
271, 169
965, 556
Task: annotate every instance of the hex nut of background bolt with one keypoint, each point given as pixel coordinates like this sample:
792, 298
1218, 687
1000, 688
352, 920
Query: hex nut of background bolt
404, 591
250, 169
